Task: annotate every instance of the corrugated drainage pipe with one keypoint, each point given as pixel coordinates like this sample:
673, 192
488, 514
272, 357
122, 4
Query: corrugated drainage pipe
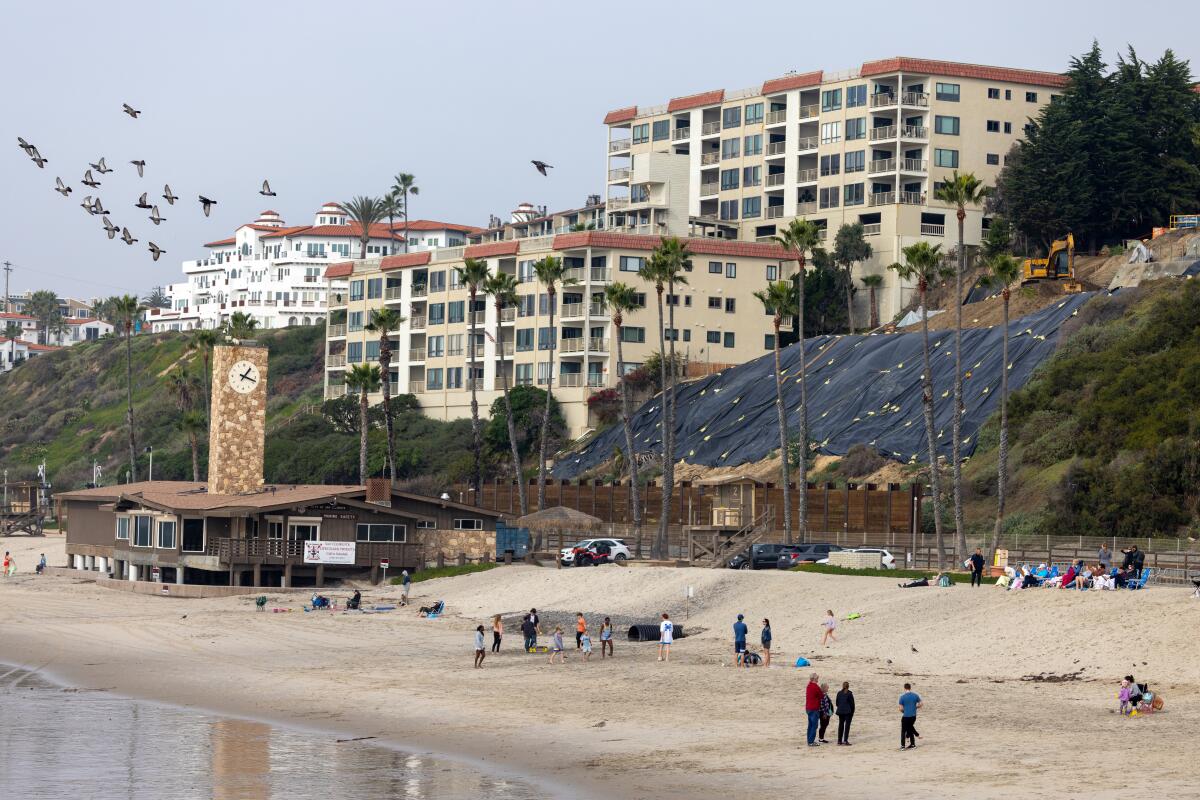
649, 633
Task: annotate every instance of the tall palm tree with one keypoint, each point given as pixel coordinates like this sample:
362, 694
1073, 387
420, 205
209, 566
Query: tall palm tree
474, 274
799, 238
924, 265
364, 379
403, 185
959, 191
366, 212
503, 288
240, 325
550, 273
56, 329
383, 322
779, 299
873, 282
43, 306
675, 259
193, 424
202, 341
127, 309
621, 299
184, 386
392, 208
1005, 270
850, 246
12, 332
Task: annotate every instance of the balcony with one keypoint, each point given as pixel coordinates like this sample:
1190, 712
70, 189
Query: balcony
474, 383
475, 352
807, 175
882, 165
775, 180
710, 129
881, 198
420, 290
597, 309
392, 293
569, 380
706, 159
335, 361
710, 188
618, 203
913, 165
416, 322
776, 117
477, 317
920, 99
618, 145
508, 314
822, 233
776, 149
872, 229
504, 350
774, 212
805, 143
883, 100
932, 230
914, 132
883, 132
810, 111
416, 354
571, 311
911, 198
336, 390
681, 133
416, 387
619, 174
601, 275
337, 300
806, 208
337, 330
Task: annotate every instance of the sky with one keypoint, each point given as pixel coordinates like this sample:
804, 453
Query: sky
330, 100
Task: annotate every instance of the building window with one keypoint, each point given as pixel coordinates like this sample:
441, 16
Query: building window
372, 350
456, 311
729, 209
641, 133
828, 197
525, 306
374, 532
831, 100
853, 195
1008, 127
729, 179
631, 263
729, 339
831, 132
730, 148
454, 378
730, 270
374, 288
730, 305
435, 346
524, 340
993, 159
713, 337
454, 344
166, 534
993, 93
123, 528
468, 524
856, 161
751, 176
356, 290
713, 302
731, 117
769, 341
856, 96
354, 352
141, 531
945, 158
831, 164
428, 524
856, 128
1031, 97
1008, 94
546, 338
524, 376
947, 92
754, 113
437, 281
433, 378
751, 207
633, 334
947, 126
752, 145
437, 313
993, 126
772, 272
662, 129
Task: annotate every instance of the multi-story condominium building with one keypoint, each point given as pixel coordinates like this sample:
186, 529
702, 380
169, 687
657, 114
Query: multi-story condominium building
866, 145
718, 321
530, 220
275, 273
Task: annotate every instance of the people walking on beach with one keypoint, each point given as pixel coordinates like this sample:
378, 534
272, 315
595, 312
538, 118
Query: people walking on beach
740, 630
829, 625
606, 637
497, 633
529, 631
7, 563
976, 560
537, 622
826, 713
909, 702
666, 635
405, 587
556, 646
844, 706
580, 629
585, 642
766, 642
812, 708
479, 651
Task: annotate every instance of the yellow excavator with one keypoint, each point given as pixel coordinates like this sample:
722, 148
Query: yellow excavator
1059, 265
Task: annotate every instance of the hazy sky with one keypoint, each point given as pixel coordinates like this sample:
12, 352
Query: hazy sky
330, 100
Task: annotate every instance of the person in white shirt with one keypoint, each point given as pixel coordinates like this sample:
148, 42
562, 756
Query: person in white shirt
666, 634
479, 651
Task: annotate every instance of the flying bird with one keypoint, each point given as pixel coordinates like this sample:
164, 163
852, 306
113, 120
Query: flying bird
130, 110
156, 251
26, 146
98, 208
109, 228
37, 159
88, 180
101, 167
126, 236
141, 203
154, 217
141, 166
266, 190
170, 198
541, 166
87, 204
208, 204
61, 187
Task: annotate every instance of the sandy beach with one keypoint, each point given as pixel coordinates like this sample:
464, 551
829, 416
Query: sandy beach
1019, 687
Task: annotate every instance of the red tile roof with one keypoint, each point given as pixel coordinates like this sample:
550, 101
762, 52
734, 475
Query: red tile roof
342, 270
289, 231
505, 248
433, 225
628, 241
789, 82
404, 260
620, 115
14, 315
81, 321
959, 70
696, 100
222, 242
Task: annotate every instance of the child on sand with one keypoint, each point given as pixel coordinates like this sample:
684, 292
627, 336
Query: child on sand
479, 651
556, 646
580, 629
497, 633
1123, 696
585, 642
666, 634
829, 625
606, 641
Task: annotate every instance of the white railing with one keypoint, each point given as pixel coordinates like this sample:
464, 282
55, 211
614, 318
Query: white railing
537, 243
913, 165
882, 165
392, 293
709, 128
337, 390
475, 352
914, 99
680, 133
573, 345
619, 174
775, 180
573, 274
617, 203
932, 230
706, 159
420, 290
883, 132
569, 380
712, 187
806, 208
335, 360
776, 117
881, 198
504, 349
807, 143
477, 317
617, 145
337, 329
416, 354
774, 212
595, 381
508, 314
911, 198
598, 344
914, 132
872, 229
883, 99
449, 253
473, 383
416, 322
337, 300
776, 148
601, 275
807, 175
571, 310
416, 387
809, 111
597, 309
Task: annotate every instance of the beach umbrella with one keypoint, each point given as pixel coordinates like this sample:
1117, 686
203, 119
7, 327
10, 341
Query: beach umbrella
558, 518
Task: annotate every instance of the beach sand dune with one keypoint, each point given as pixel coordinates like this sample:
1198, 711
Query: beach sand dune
1019, 687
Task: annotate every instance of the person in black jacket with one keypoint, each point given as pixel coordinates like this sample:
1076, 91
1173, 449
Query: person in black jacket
844, 706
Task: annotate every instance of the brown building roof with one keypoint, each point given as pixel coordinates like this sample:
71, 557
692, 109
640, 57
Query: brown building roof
620, 115
696, 100
505, 248
959, 70
789, 82
341, 270
404, 260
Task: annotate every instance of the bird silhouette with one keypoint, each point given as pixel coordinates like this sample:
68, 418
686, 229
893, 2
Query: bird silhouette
141, 203
26, 146
98, 207
541, 166
126, 236
170, 198
266, 190
141, 166
37, 158
156, 251
109, 228
101, 167
154, 217
208, 204
130, 110
61, 187
913, 648
87, 204
88, 180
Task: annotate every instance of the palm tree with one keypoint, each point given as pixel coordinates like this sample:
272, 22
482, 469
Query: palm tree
850, 246
622, 299
364, 379
1005, 270
384, 321
503, 289
184, 386
392, 208
550, 272
474, 273
43, 306
240, 325
56, 329
193, 424
158, 298
801, 236
12, 332
779, 299
403, 185
924, 265
127, 309
873, 282
959, 191
366, 212
202, 341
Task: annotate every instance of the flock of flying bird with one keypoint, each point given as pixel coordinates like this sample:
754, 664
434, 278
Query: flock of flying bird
96, 208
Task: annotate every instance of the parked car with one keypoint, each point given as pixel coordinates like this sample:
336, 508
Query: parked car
618, 551
759, 556
810, 553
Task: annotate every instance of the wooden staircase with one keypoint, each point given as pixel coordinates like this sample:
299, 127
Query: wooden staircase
717, 551
30, 523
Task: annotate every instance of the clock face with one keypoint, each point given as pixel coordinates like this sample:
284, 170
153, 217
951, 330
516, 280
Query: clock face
243, 377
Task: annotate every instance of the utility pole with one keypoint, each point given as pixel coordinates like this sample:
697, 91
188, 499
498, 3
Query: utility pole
7, 272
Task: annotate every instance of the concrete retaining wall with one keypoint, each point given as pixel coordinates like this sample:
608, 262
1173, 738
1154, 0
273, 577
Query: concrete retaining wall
855, 560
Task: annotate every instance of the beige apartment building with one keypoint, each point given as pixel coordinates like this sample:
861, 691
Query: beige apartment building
863, 145
718, 320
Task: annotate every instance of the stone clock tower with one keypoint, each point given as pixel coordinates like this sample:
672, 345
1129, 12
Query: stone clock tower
237, 429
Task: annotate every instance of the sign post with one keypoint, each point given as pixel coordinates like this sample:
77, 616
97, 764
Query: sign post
688, 593
383, 565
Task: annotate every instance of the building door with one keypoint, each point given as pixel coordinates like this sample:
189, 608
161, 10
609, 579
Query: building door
274, 538
193, 535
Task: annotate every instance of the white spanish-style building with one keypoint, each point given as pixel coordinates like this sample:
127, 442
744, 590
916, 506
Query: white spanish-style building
75, 329
275, 273
13, 352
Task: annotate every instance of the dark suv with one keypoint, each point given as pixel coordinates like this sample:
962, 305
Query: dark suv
760, 556
805, 554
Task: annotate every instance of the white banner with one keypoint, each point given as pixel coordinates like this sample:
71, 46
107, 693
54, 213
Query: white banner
329, 552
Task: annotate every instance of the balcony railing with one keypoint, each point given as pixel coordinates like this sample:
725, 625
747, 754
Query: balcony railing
681, 133
872, 229
776, 117
571, 310
601, 275
337, 300
809, 111
619, 174
882, 165
915, 99
913, 165
569, 380
477, 317
881, 198
473, 383
337, 390
709, 128
392, 293
710, 188
807, 143
774, 212
806, 208
617, 145
573, 274
597, 309
475, 352
807, 175
416, 387
420, 290
883, 132
914, 132
504, 349
883, 100
776, 148
775, 180
911, 198
337, 329
508, 314
707, 159
932, 230
335, 360
416, 354
416, 322
617, 203
822, 233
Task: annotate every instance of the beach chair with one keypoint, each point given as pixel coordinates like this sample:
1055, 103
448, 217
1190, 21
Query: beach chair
1140, 583
434, 611
260, 602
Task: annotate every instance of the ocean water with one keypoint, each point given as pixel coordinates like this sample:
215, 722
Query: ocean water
58, 742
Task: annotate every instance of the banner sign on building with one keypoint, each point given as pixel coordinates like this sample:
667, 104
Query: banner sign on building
329, 552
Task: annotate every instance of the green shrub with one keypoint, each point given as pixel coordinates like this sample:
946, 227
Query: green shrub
448, 571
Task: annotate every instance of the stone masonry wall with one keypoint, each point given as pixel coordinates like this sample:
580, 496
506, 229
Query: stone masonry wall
238, 427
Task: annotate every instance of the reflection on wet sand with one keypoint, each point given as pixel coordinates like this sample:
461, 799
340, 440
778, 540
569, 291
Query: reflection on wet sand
241, 760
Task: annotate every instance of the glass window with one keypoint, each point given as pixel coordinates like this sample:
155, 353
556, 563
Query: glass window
751, 207
662, 129
729, 179
641, 133
141, 531
730, 305
831, 99
454, 344
435, 346
730, 148
166, 534
730, 270
856, 96
831, 164
856, 161
947, 92
525, 307
993, 93
633, 334
1008, 127
993, 126
853, 194
828, 197
631, 263
1031, 97
372, 350
546, 338
456, 311
729, 209
381, 533
715, 302
454, 378
437, 313
524, 374
525, 272
752, 145
754, 113
769, 341
122, 527
831, 132
856, 128
356, 290
729, 339
772, 272
751, 176
354, 352
468, 524
945, 158
731, 117
433, 378
714, 268
947, 126
374, 288
713, 337
993, 159
524, 339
